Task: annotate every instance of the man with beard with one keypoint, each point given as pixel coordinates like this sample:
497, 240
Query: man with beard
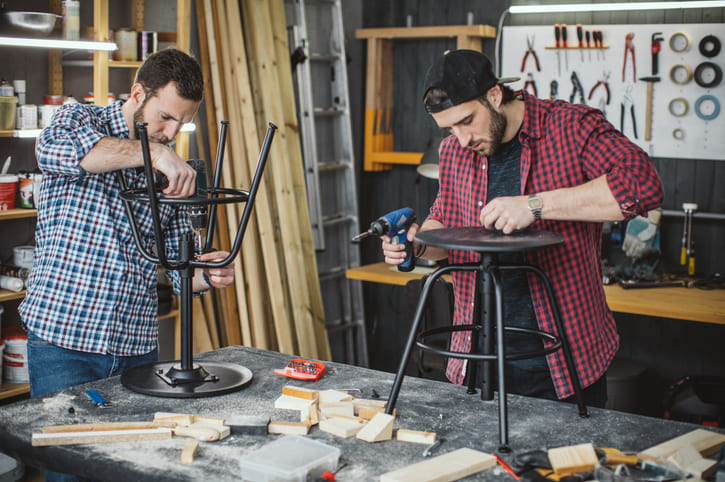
515, 161
91, 305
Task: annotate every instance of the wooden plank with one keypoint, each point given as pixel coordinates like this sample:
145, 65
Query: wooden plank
706, 442
104, 436
300, 392
100, 58
427, 32
286, 402
187, 455
447, 467
573, 459
107, 426
288, 428
415, 436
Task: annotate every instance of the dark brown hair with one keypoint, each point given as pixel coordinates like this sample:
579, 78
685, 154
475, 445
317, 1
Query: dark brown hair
172, 65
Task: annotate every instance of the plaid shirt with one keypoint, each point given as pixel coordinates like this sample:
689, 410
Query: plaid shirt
90, 288
564, 145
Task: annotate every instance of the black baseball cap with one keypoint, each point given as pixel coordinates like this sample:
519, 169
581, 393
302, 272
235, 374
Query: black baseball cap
463, 75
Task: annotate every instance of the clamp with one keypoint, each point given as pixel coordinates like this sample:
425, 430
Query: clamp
628, 103
604, 83
576, 87
530, 83
629, 47
530, 50
554, 90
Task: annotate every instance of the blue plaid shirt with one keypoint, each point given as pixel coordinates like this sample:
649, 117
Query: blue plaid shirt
90, 288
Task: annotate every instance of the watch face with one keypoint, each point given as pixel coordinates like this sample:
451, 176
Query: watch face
535, 203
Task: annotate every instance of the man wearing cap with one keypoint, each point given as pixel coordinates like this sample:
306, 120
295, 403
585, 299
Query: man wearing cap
515, 161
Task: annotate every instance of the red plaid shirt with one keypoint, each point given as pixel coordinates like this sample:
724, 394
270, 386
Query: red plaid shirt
564, 145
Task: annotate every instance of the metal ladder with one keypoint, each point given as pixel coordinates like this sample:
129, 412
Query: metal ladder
317, 49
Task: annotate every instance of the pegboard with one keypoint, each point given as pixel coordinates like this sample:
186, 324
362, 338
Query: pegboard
686, 136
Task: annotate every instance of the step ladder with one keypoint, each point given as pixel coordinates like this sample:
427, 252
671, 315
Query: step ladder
317, 50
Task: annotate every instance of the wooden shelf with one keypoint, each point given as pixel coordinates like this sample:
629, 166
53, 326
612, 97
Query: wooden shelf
7, 295
18, 213
8, 390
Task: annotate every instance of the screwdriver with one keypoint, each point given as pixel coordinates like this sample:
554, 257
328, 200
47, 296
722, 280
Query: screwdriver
565, 45
579, 35
588, 36
557, 36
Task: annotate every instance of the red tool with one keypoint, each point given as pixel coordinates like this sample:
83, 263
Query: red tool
565, 45
301, 369
656, 47
530, 50
604, 82
580, 37
629, 47
530, 83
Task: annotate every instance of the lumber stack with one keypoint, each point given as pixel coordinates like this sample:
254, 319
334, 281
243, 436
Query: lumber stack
275, 303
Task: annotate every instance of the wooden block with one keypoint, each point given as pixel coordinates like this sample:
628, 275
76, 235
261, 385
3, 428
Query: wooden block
573, 458
704, 441
341, 408
187, 455
300, 392
208, 420
366, 402
378, 429
288, 428
247, 424
368, 408
311, 416
286, 402
702, 469
447, 467
341, 427
416, 436
181, 419
685, 455
333, 396
103, 436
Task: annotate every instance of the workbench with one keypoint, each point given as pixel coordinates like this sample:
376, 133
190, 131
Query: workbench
693, 304
462, 420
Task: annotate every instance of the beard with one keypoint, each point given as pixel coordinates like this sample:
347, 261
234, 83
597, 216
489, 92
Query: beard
496, 130
140, 116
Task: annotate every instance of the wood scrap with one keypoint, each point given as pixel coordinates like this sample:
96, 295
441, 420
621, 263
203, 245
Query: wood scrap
334, 396
573, 458
300, 392
341, 408
415, 436
447, 467
187, 455
704, 441
687, 458
378, 429
203, 432
286, 402
248, 424
181, 419
343, 427
288, 428
105, 426
99, 436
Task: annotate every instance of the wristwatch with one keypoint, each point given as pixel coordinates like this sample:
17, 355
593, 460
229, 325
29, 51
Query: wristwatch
535, 204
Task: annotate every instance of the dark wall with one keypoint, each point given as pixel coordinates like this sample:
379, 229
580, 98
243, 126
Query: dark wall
685, 180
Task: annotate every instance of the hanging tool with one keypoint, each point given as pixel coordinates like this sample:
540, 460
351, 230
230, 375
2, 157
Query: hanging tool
394, 224
557, 36
628, 104
656, 47
530, 83
648, 116
565, 45
580, 37
576, 88
530, 50
588, 36
598, 43
554, 90
604, 83
629, 47
688, 243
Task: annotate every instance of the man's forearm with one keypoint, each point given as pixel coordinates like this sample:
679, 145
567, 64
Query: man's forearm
429, 252
592, 201
111, 154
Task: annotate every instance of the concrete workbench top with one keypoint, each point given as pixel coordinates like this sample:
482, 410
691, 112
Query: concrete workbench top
466, 421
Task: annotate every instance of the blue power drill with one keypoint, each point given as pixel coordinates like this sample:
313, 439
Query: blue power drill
394, 224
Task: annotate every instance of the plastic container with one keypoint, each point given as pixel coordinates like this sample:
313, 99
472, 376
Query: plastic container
23, 256
71, 19
15, 359
8, 104
8, 191
291, 458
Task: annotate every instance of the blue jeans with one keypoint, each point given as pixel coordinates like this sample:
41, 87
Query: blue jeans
52, 368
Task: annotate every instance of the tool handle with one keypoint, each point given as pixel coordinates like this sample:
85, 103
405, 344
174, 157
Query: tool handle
408, 263
557, 35
579, 34
691, 266
563, 35
588, 36
648, 113
683, 256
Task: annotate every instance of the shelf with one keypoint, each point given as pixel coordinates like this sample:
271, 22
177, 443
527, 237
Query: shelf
51, 43
8, 390
18, 213
575, 47
21, 134
7, 295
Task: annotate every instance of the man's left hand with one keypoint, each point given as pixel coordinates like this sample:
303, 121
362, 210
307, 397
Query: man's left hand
218, 277
507, 214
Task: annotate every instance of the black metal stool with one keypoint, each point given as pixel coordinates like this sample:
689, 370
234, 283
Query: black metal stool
489, 297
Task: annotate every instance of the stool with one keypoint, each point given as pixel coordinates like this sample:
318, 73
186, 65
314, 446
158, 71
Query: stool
488, 308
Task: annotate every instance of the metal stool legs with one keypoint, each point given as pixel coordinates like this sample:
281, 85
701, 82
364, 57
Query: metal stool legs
489, 297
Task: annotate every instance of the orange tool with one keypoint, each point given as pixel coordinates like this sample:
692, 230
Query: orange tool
301, 369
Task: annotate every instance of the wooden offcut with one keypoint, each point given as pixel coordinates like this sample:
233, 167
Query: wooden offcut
99, 436
300, 392
187, 455
443, 468
343, 427
378, 429
288, 428
573, 459
415, 436
704, 441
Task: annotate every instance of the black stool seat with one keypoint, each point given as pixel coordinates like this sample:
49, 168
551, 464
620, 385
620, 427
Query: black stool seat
488, 308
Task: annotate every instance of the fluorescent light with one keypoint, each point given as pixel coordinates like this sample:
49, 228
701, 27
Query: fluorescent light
57, 44
188, 127
26, 133
607, 7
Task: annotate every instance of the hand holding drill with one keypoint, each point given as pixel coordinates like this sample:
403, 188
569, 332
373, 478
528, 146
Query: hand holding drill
396, 228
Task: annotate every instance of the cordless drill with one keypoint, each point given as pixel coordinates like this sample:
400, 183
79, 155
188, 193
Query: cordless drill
394, 224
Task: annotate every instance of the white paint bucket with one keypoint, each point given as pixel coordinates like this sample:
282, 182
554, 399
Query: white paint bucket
23, 256
15, 359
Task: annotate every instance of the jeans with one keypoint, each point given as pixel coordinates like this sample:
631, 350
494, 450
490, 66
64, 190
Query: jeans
52, 368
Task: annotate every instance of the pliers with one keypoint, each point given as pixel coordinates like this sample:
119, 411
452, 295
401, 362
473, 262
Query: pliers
604, 82
530, 50
627, 102
629, 47
530, 83
576, 87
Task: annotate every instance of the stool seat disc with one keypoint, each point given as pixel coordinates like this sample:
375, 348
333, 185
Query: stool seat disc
477, 238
